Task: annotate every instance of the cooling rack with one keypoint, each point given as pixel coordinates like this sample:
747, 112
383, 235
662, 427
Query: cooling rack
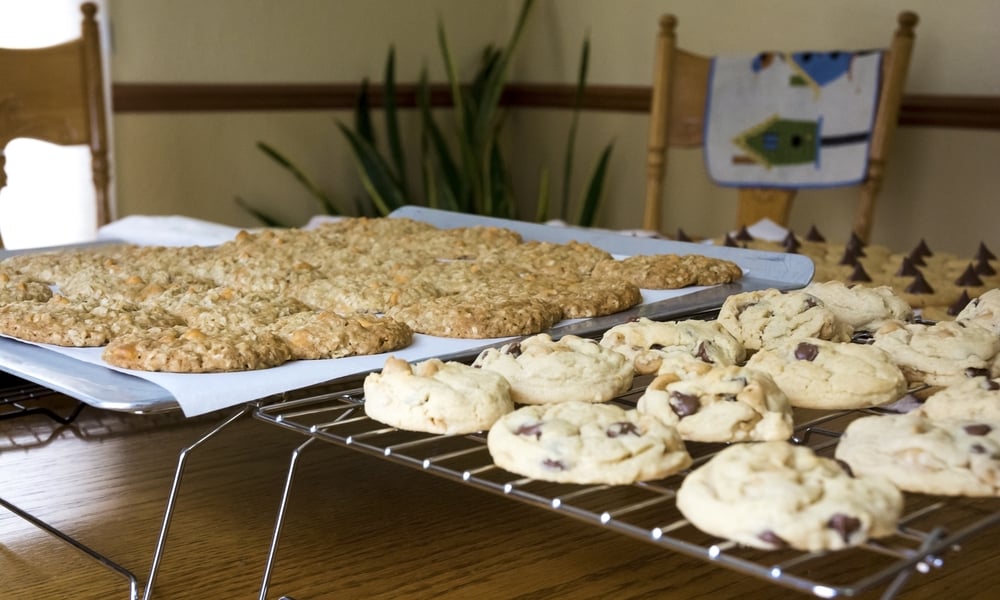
929, 532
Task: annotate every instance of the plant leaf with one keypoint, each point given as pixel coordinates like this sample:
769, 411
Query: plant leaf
591, 201
363, 114
260, 215
493, 87
453, 183
542, 203
472, 162
392, 121
581, 84
325, 201
376, 176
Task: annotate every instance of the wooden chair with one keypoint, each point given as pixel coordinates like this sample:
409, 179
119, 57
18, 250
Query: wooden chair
56, 94
677, 114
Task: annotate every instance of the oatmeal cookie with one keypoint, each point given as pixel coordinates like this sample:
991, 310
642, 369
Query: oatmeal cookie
326, 334
183, 349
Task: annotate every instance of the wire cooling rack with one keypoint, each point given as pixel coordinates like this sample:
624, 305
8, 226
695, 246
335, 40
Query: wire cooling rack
930, 530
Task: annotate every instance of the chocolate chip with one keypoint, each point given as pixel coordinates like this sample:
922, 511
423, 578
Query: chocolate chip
534, 429
553, 464
849, 258
959, 304
977, 429
843, 524
922, 249
683, 237
856, 245
977, 449
859, 273
684, 404
991, 385
917, 259
791, 243
983, 267
907, 268
846, 467
769, 537
656, 346
969, 278
813, 235
811, 301
730, 242
806, 351
621, 428
743, 235
702, 353
730, 398
983, 253
919, 285
976, 372
513, 349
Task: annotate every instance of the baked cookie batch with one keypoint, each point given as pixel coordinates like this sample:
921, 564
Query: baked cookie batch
860, 337
738, 380
357, 287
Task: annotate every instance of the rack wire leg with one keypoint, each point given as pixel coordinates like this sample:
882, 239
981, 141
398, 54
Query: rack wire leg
280, 519
172, 498
100, 558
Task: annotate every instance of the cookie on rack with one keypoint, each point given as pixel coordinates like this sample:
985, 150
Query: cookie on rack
78, 322
764, 317
326, 334
645, 342
774, 495
669, 271
582, 442
983, 311
724, 404
976, 398
939, 353
815, 373
954, 457
183, 349
478, 315
863, 308
545, 371
436, 397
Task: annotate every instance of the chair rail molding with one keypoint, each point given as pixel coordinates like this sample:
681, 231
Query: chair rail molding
918, 110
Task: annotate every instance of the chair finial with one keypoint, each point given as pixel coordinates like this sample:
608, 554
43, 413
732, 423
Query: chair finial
907, 21
668, 23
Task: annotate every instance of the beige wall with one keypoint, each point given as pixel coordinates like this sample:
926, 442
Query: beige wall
940, 183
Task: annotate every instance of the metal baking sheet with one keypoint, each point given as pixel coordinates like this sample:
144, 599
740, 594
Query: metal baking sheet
110, 389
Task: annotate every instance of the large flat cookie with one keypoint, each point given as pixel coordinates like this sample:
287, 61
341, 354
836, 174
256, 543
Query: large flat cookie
477, 316
646, 342
581, 442
950, 458
725, 404
436, 397
774, 495
78, 322
764, 317
184, 349
326, 334
816, 373
543, 371
669, 271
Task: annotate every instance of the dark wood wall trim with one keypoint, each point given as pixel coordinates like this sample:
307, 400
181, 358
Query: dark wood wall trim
918, 110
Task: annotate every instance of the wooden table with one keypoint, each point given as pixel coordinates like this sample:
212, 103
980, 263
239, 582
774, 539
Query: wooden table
357, 526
